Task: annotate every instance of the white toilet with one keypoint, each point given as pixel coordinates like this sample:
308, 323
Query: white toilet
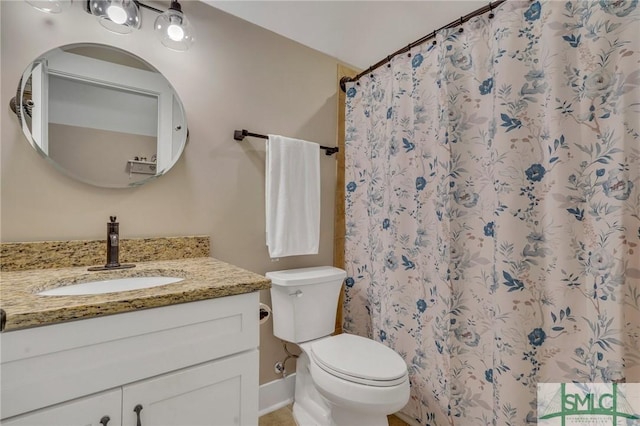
342, 380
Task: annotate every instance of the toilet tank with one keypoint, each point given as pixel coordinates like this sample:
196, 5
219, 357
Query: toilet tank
304, 302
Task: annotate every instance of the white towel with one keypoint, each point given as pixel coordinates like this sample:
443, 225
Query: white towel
292, 196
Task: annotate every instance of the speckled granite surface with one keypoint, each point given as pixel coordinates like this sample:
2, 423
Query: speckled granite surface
63, 254
204, 278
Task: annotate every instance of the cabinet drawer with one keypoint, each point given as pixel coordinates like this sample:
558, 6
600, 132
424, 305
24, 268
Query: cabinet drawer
47, 365
96, 410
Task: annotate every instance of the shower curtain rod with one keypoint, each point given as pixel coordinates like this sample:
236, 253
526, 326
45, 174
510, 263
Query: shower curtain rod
453, 24
241, 134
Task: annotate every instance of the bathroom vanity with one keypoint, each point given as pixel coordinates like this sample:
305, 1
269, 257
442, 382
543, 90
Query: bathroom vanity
179, 354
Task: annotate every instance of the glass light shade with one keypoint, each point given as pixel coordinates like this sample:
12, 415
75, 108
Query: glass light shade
174, 30
118, 16
50, 6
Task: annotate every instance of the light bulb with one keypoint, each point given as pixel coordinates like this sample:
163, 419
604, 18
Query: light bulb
117, 14
175, 32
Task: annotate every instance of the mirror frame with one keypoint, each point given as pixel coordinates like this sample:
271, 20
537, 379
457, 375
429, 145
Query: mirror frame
167, 101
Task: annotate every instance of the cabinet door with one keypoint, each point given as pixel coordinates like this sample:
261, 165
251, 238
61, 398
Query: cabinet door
218, 393
97, 410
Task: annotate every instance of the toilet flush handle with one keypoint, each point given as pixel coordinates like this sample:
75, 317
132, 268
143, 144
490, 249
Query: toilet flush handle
297, 293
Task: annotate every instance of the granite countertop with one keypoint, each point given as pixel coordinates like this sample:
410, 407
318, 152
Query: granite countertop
204, 278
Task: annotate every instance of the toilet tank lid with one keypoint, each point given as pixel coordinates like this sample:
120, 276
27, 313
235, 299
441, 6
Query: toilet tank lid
304, 276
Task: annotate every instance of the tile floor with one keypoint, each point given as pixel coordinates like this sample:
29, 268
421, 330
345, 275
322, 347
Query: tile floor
284, 417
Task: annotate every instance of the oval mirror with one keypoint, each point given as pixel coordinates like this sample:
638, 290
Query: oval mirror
101, 115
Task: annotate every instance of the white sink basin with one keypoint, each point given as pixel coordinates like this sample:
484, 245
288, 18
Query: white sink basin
110, 286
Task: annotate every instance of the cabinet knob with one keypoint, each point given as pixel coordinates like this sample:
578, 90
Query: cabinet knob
137, 410
104, 420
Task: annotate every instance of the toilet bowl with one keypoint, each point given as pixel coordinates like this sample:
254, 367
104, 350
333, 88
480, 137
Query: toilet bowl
342, 380
361, 380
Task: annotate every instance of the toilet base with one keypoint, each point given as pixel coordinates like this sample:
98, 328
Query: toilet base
349, 417
304, 417
338, 417
309, 408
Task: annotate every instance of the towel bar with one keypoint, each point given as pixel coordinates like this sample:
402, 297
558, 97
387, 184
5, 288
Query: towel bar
241, 134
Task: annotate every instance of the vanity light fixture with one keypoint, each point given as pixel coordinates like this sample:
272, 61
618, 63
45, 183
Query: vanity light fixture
122, 16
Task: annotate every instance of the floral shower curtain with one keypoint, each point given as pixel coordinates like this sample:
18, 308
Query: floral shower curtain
493, 208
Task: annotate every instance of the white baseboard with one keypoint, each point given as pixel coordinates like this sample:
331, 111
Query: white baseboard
408, 420
276, 394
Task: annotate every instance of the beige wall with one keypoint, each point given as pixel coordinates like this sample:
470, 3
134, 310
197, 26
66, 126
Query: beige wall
235, 76
80, 151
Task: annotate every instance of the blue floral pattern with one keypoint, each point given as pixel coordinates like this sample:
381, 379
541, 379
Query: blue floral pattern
493, 208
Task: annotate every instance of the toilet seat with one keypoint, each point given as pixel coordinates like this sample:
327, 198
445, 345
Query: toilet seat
359, 360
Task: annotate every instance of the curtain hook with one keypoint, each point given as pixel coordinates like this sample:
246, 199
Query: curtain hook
491, 14
409, 50
389, 61
461, 22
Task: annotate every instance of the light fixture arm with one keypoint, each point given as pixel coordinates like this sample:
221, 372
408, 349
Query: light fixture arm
148, 7
140, 4
175, 6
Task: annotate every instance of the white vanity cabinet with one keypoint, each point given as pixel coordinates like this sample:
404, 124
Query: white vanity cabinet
190, 364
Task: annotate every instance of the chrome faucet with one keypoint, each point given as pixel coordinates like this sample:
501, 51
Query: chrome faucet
113, 248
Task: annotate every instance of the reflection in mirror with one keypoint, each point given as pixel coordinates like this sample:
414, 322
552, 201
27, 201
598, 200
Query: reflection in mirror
101, 115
